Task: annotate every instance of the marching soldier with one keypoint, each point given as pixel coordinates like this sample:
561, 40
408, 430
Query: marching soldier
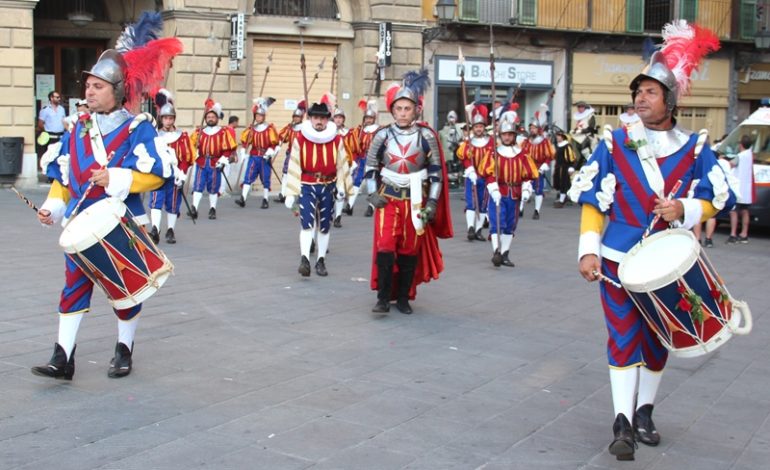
474, 153
262, 139
286, 135
351, 148
363, 134
541, 151
584, 131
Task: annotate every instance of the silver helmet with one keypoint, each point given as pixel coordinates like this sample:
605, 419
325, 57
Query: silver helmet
451, 116
338, 112
111, 67
658, 71
167, 110
507, 125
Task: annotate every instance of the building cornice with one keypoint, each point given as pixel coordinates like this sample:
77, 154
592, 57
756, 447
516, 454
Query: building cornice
19, 4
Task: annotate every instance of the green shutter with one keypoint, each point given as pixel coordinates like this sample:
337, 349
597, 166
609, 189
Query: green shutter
528, 12
688, 10
748, 19
469, 10
635, 16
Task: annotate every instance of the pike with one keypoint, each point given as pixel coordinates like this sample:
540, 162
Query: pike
334, 73
302, 64
315, 76
461, 64
211, 87
494, 123
267, 71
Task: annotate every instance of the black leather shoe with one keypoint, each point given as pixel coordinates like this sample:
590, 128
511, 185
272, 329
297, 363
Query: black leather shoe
338, 222
193, 213
212, 213
154, 235
320, 267
369, 211
506, 261
58, 367
471, 234
521, 213
304, 266
536, 215
170, 238
347, 210
403, 306
479, 236
280, 198
486, 223
265, 204
497, 258
240, 201
644, 428
381, 306
120, 365
623, 445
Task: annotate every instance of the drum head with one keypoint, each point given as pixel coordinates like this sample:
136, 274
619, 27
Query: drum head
92, 224
659, 260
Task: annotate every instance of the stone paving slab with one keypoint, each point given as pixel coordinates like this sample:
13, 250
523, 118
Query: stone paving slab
241, 363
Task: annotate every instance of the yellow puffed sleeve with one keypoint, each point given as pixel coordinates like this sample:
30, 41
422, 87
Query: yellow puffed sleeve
58, 191
591, 220
143, 182
709, 210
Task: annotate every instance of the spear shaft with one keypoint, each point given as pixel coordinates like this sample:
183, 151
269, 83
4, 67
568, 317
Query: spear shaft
494, 125
267, 71
474, 194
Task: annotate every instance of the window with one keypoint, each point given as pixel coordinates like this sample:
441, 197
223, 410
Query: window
495, 11
469, 10
656, 14
527, 12
748, 21
305, 8
688, 10
635, 16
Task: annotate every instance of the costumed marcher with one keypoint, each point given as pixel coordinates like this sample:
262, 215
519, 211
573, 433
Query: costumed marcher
451, 135
541, 151
286, 135
473, 154
111, 153
628, 116
627, 183
317, 171
261, 139
504, 175
81, 108
213, 145
364, 133
170, 194
350, 141
563, 168
412, 203
584, 131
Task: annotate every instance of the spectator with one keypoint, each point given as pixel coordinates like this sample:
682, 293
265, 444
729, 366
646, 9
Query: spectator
711, 224
51, 121
743, 168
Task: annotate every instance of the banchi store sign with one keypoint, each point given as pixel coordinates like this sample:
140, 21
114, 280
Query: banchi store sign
507, 73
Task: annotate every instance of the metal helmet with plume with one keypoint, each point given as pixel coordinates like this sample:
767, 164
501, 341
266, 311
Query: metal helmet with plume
508, 121
338, 112
478, 113
368, 107
330, 101
213, 107
164, 102
413, 86
139, 63
300, 109
261, 104
683, 49
541, 116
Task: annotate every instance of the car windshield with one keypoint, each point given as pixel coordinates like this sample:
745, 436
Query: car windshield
760, 137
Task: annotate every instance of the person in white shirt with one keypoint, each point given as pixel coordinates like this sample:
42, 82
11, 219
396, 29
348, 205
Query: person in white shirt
50, 121
743, 168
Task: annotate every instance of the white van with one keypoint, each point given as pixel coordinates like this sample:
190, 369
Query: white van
757, 126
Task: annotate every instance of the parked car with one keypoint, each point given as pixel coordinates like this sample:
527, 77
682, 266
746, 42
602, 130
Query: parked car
756, 126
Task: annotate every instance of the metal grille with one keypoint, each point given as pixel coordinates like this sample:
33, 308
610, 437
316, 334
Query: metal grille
656, 14
495, 11
469, 10
303, 8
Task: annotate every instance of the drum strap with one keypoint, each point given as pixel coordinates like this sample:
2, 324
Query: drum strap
649, 164
97, 144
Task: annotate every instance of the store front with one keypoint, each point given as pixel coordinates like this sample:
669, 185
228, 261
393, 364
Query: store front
530, 81
602, 81
753, 86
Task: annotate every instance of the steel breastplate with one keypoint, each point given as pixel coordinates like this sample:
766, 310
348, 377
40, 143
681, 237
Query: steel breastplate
404, 152
664, 143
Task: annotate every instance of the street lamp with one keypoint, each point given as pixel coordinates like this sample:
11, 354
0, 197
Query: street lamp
445, 11
762, 39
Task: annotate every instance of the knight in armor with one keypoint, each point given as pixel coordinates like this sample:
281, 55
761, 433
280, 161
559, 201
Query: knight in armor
411, 202
213, 145
110, 153
261, 139
504, 176
473, 153
316, 176
541, 151
627, 182
563, 168
169, 196
584, 131
286, 135
363, 134
351, 148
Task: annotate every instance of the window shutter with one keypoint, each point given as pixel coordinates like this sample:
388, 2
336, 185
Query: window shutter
748, 19
528, 12
635, 16
688, 10
469, 10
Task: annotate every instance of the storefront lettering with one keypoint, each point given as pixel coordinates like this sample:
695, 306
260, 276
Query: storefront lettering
755, 75
510, 73
531, 73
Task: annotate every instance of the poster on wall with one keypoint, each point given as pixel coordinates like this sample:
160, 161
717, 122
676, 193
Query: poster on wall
44, 84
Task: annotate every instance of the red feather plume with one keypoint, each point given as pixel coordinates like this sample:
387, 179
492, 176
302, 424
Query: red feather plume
684, 47
362, 104
208, 104
147, 67
390, 94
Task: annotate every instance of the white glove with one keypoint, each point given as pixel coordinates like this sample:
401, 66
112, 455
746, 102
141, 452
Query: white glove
526, 191
494, 192
223, 162
571, 171
179, 177
289, 202
470, 173
544, 167
269, 153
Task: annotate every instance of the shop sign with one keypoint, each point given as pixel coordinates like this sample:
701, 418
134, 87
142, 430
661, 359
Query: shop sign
507, 73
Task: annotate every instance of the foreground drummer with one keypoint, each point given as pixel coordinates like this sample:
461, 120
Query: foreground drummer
629, 179
82, 158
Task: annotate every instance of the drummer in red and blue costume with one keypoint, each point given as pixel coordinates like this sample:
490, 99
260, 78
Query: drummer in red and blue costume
317, 170
214, 145
474, 153
504, 186
624, 185
122, 156
262, 139
170, 195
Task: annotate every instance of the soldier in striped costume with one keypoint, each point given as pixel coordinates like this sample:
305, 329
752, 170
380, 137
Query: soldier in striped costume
262, 139
286, 136
473, 153
351, 148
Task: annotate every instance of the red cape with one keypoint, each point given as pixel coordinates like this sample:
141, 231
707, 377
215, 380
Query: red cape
430, 261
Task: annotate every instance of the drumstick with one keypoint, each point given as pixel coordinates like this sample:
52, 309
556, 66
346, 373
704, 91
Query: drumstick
655, 220
85, 193
26, 201
604, 278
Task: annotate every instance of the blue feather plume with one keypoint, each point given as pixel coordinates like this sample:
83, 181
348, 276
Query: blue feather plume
648, 47
417, 81
146, 29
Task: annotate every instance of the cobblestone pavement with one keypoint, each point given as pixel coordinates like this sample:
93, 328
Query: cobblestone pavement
240, 363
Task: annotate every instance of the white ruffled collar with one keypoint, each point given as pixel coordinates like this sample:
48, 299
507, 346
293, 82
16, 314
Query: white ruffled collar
584, 115
508, 151
371, 128
260, 127
563, 143
480, 141
322, 137
212, 130
170, 136
626, 118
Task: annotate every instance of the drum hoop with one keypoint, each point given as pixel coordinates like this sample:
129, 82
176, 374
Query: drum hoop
91, 235
666, 279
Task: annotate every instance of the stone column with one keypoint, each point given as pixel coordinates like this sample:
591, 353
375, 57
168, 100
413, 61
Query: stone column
17, 92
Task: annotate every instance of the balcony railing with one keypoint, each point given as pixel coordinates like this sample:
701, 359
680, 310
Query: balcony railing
302, 8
